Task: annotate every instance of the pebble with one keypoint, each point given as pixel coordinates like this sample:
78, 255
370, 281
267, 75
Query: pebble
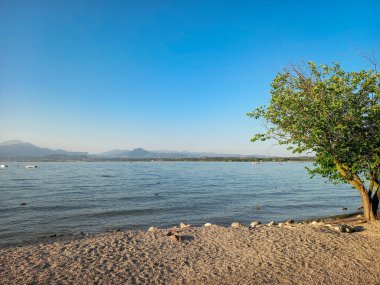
340, 228
152, 229
184, 226
172, 232
289, 222
281, 225
236, 225
207, 225
345, 229
349, 229
175, 238
255, 224
272, 223
315, 223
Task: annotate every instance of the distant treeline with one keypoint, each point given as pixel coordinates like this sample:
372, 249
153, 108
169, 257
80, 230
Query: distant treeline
224, 159
190, 159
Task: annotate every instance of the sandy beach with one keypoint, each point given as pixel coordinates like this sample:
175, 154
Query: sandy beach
291, 254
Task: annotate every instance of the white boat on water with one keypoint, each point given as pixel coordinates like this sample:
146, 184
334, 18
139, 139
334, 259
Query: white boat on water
3, 165
31, 166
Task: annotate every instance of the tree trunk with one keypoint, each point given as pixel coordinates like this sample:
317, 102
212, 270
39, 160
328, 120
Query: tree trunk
368, 206
375, 205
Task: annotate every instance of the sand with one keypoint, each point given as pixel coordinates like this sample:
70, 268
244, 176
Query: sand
292, 254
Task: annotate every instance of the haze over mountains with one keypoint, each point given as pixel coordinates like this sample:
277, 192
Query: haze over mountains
18, 150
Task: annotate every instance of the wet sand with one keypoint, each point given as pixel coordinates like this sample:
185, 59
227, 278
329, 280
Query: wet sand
291, 254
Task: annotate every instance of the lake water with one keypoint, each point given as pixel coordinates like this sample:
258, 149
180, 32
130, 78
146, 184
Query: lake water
64, 198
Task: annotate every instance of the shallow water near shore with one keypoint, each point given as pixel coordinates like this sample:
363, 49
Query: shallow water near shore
66, 198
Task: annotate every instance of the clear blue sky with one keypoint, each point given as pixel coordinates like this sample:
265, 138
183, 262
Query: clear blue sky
162, 75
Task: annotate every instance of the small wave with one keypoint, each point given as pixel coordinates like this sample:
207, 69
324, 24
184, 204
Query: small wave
140, 198
21, 186
24, 179
150, 184
130, 212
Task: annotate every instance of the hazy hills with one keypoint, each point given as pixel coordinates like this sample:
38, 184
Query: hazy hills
142, 153
18, 150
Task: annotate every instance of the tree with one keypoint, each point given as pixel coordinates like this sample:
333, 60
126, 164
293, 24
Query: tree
336, 115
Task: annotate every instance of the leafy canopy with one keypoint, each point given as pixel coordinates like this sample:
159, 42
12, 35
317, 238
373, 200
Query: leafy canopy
328, 111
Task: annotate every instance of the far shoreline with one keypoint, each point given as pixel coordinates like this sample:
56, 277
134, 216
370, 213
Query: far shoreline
163, 159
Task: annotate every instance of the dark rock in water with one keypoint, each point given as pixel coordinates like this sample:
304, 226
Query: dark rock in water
344, 208
23, 204
53, 236
156, 194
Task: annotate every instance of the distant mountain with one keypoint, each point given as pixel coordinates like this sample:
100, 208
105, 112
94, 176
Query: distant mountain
138, 153
117, 153
211, 154
11, 142
16, 149
135, 153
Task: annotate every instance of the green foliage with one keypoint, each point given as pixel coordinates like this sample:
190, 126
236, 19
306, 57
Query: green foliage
328, 111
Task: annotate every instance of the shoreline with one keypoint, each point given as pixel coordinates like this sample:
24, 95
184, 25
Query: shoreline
300, 253
45, 239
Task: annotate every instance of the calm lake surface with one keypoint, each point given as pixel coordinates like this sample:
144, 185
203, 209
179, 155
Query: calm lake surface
64, 198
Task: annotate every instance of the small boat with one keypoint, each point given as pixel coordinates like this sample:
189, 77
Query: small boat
31, 166
3, 165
